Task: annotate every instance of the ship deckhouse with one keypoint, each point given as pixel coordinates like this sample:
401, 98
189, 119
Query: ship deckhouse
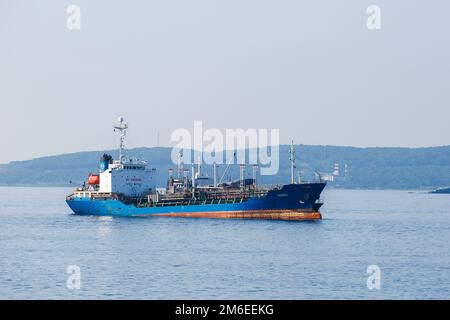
127, 176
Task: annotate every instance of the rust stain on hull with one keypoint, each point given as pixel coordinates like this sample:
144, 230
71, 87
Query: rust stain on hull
255, 214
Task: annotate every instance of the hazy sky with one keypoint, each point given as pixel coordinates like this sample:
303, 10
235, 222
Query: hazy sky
310, 68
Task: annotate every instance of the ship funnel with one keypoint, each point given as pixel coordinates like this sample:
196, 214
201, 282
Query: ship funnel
105, 160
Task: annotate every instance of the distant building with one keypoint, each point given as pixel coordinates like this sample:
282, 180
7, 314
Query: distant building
336, 176
327, 177
336, 171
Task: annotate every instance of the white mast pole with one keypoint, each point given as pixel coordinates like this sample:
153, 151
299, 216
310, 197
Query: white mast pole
193, 179
255, 170
292, 159
122, 127
180, 163
215, 174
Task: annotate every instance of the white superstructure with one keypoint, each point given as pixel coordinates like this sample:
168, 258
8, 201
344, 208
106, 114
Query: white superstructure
126, 176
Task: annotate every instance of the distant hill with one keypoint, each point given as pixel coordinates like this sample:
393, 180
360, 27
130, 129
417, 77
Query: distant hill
385, 168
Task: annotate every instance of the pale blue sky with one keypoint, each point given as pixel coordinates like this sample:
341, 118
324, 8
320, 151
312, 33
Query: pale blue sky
310, 68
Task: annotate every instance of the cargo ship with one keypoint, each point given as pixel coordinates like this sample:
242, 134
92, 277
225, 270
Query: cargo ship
126, 187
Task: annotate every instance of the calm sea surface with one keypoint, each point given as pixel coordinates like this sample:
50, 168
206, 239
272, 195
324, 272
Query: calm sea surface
407, 235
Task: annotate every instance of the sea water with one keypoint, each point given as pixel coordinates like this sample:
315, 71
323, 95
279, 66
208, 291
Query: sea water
46, 252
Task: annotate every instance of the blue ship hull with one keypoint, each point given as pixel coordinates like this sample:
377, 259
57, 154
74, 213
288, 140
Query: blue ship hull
292, 202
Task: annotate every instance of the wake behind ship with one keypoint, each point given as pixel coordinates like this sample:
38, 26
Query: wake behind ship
126, 187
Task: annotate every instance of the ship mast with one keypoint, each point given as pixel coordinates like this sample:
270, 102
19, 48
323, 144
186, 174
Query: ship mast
180, 164
292, 159
122, 127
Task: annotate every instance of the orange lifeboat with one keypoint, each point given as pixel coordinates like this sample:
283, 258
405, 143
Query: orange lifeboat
94, 179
